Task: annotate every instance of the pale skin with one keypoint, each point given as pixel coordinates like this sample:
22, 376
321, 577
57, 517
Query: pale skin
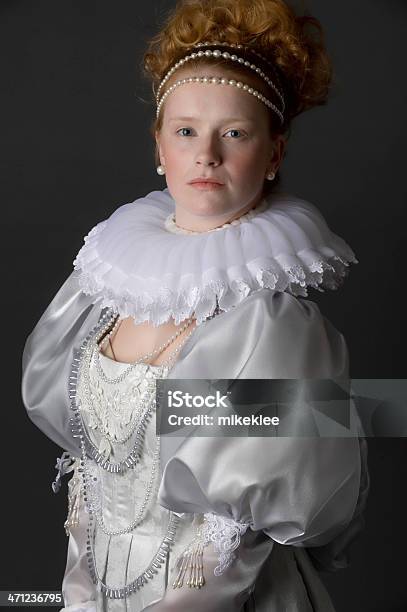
226, 136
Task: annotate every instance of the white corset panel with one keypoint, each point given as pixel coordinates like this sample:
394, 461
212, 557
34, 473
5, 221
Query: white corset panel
118, 497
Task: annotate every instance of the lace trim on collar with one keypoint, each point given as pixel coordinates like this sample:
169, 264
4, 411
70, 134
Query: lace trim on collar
131, 263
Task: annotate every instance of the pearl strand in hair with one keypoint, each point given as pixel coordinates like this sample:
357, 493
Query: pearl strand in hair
217, 53
221, 81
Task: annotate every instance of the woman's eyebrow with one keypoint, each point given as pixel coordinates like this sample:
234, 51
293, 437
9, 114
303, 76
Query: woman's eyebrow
225, 120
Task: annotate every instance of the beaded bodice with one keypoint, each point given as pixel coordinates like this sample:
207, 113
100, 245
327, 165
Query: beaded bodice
115, 407
113, 401
112, 413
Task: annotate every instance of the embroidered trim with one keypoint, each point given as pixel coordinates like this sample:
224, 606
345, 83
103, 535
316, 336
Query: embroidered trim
224, 533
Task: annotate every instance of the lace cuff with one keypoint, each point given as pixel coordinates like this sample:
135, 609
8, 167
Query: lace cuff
224, 533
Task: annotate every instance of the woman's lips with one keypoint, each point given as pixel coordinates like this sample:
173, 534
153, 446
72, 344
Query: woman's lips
206, 185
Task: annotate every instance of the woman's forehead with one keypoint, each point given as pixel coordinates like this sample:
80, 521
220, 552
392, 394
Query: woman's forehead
207, 101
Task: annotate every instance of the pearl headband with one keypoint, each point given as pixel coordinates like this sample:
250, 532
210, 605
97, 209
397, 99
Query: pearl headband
233, 46
220, 81
217, 53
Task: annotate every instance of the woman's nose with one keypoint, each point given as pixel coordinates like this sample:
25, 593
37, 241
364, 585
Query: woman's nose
208, 154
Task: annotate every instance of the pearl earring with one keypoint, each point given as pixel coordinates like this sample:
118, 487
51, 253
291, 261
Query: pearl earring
270, 176
160, 170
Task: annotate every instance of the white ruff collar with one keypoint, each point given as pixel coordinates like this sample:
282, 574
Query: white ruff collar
139, 264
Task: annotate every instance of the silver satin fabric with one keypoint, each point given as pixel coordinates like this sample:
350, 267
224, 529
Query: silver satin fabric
296, 492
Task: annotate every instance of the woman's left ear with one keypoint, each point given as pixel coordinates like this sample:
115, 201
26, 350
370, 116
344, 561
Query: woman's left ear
158, 149
278, 149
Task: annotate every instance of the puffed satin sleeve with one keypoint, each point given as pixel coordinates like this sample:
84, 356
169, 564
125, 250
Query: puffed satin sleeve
299, 491
47, 359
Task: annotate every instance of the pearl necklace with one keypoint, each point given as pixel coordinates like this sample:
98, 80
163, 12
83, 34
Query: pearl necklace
146, 357
79, 425
171, 226
78, 432
96, 502
145, 398
162, 371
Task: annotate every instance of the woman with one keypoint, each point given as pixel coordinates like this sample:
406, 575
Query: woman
201, 281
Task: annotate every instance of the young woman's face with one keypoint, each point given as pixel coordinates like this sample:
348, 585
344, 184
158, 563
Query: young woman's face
218, 132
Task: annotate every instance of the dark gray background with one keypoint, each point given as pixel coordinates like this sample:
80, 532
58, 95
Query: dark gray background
75, 145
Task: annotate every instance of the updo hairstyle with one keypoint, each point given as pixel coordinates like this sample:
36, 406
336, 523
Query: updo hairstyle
291, 46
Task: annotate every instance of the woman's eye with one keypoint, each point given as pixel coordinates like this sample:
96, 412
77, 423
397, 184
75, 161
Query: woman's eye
234, 132
183, 130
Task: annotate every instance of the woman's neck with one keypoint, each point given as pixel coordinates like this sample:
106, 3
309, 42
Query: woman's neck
188, 222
